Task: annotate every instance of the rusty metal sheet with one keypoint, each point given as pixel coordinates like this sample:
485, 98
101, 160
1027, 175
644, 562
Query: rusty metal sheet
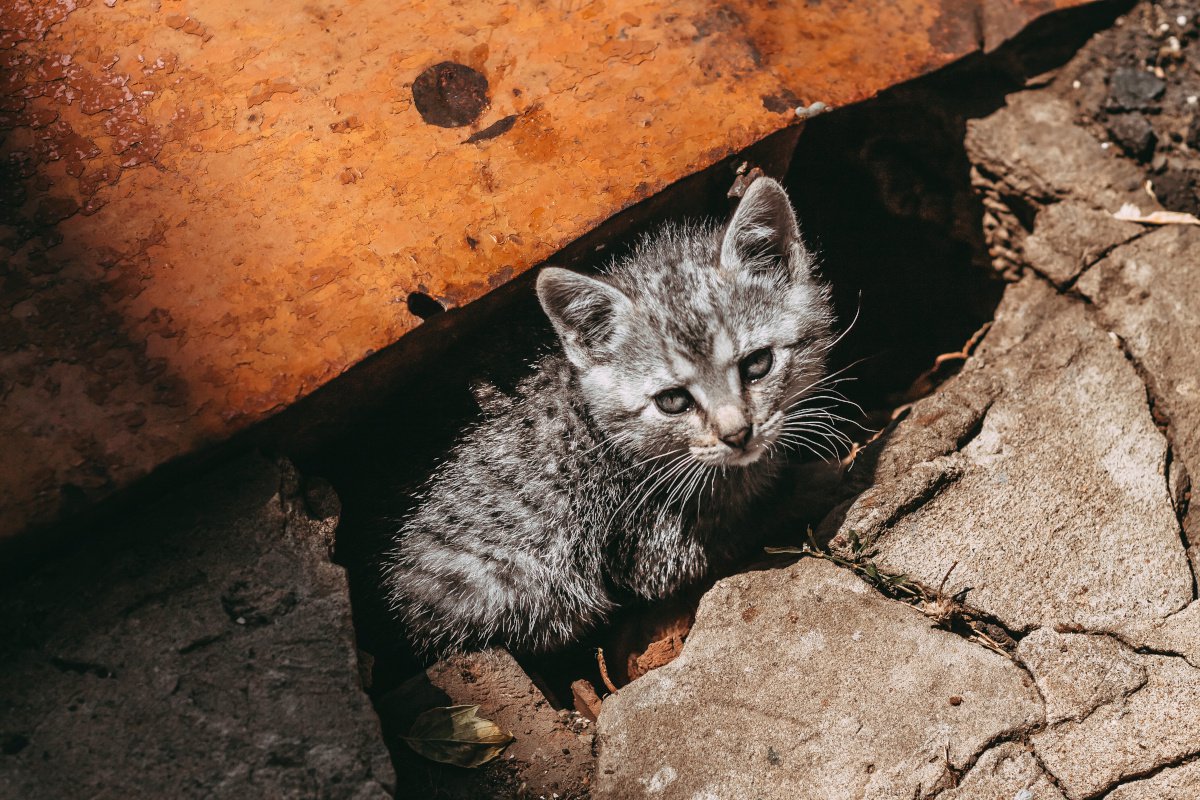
208, 210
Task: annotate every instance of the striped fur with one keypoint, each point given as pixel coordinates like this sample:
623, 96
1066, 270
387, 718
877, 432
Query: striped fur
578, 490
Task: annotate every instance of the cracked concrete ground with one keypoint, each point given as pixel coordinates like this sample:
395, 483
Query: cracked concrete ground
1045, 486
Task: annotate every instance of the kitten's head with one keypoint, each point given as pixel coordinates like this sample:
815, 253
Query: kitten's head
702, 339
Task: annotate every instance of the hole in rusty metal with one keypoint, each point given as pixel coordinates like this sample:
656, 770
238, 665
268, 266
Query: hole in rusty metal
423, 306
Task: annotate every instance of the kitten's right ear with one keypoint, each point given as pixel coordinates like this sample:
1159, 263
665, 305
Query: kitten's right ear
584, 311
763, 234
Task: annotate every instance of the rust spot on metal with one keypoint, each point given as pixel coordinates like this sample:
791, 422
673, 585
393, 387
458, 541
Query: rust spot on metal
450, 95
781, 102
350, 123
498, 128
265, 90
188, 25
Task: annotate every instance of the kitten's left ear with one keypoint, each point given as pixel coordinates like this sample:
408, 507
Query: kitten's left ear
763, 234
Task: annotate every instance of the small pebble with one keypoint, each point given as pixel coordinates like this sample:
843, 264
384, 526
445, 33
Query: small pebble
1133, 89
955, 700
1134, 134
1076, 84
807, 112
1181, 20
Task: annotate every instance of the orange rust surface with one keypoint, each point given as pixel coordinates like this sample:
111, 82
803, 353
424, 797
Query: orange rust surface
207, 210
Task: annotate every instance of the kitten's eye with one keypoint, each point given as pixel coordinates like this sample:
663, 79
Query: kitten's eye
756, 365
673, 401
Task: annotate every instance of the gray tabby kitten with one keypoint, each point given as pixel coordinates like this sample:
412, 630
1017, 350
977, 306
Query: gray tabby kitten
626, 464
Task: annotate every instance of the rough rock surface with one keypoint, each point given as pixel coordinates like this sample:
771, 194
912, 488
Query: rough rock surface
1004, 772
856, 696
1154, 725
1048, 188
1173, 783
210, 655
1077, 673
1064, 468
1178, 633
1148, 293
552, 754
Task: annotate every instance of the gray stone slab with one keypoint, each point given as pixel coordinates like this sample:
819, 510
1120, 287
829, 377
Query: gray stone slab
1178, 633
208, 654
1078, 672
1055, 510
1154, 726
1148, 293
1008, 771
1173, 783
1050, 187
804, 682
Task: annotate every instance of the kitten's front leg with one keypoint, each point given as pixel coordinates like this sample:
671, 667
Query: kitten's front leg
662, 560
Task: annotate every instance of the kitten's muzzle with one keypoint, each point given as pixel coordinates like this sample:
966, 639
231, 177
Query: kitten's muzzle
738, 439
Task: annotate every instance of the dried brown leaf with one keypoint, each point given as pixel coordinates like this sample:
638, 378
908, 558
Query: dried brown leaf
457, 735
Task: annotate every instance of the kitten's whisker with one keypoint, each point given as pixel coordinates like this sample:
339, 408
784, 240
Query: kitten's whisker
825, 380
698, 488
824, 439
678, 464
828, 434
824, 415
816, 448
608, 442
813, 437
681, 454
824, 393
850, 327
816, 424
679, 488
837, 398
647, 461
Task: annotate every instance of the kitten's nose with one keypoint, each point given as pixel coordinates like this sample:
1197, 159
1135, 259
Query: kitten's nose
738, 439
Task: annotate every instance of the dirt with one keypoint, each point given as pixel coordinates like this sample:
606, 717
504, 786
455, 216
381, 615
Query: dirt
1138, 88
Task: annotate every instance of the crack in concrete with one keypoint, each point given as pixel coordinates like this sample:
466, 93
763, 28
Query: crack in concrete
1145, 650
1143, 775
1054, 779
